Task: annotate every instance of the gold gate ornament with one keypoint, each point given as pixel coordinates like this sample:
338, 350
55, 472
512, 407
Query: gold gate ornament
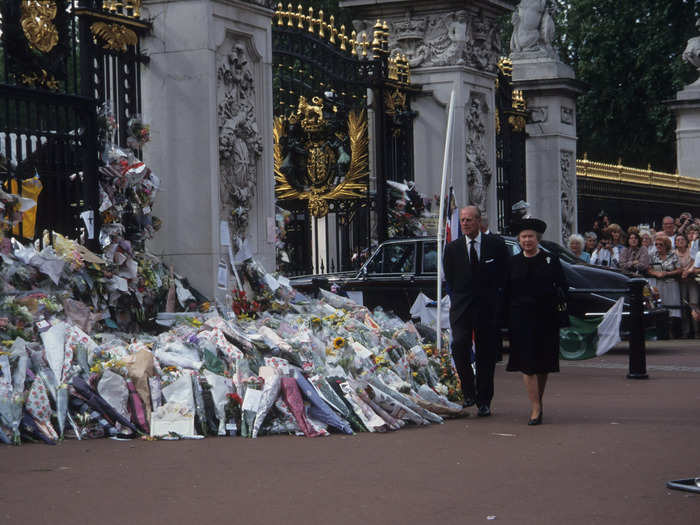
321, 157
116, 37
37, 24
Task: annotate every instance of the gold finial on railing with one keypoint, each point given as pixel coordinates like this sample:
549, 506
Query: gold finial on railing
377, 37
353, 43
393, 69
310, 20
290, 15
385, 37
342, 37
321, 23
300, 17
364, 44
280, 13
332, 30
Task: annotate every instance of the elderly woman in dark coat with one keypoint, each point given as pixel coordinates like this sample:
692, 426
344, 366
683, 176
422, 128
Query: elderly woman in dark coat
534, 279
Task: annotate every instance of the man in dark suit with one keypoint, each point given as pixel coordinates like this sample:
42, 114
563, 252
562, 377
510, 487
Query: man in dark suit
475, 271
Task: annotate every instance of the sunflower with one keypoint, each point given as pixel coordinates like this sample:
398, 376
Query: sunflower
338, 342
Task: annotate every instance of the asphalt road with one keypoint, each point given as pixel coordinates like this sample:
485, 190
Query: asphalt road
604, 454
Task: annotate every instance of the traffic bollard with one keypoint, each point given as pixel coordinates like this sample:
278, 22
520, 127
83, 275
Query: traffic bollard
637, 349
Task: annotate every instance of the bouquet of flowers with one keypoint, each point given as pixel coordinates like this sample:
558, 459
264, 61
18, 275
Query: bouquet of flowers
137, 132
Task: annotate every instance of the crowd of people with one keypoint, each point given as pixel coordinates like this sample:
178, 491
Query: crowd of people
669, 258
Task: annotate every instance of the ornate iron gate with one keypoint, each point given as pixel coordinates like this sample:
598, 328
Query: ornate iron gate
510, 144
61, 61
322, 78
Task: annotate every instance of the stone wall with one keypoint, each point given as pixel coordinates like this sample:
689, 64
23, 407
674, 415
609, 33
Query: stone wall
207, 96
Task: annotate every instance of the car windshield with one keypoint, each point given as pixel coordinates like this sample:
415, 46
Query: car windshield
549, 247
561, 252
393, 258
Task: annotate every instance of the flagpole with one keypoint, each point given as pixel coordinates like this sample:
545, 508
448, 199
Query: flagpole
441, 220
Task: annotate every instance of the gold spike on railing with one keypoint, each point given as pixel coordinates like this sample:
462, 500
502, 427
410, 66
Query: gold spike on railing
332, 30
279, 14
300, 17
310, 20
385, 37
364, 44
353, 43
343, 38
290, 15
376, 40
321, 23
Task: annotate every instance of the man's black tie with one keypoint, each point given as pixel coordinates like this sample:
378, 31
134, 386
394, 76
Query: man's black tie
473, 257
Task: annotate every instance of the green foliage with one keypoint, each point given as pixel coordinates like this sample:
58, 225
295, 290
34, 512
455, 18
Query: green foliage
628, 52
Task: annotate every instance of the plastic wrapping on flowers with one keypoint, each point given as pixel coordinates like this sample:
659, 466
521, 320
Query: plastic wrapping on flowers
117, 345
294, 364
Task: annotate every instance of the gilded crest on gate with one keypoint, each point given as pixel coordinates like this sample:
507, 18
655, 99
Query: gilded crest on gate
116, 37
37, 24
320, 154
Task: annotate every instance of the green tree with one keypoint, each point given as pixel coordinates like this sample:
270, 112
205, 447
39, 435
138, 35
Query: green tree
628, 52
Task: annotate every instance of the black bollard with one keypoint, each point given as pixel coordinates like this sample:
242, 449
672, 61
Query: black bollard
637, 359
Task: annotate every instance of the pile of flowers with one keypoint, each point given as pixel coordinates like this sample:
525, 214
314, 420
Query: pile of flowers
117, 345
298, 366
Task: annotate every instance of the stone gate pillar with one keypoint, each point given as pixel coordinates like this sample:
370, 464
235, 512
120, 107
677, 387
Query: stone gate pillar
550, 88
207, 95
450, 44
687, 110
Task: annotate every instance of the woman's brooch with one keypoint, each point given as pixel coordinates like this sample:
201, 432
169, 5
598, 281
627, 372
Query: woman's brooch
548, 260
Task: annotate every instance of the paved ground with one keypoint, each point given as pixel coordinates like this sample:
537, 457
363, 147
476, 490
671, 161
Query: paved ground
604, 454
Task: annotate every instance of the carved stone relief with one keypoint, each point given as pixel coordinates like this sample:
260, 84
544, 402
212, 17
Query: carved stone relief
533, 30
240, 142
538, 114
567, 115
568, 195
443, 39
478, 171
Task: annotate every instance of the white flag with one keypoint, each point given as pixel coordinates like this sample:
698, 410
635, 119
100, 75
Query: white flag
609, 328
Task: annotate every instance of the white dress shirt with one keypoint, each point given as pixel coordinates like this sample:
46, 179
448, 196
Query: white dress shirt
477, 245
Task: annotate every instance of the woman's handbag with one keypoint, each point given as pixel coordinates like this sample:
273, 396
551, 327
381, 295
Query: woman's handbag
561, 306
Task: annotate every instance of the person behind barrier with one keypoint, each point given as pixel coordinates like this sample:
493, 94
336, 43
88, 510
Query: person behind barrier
634, 257
687, 285
576, 247
663, 272
606, 255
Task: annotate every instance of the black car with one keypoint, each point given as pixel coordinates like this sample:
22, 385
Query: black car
400, 269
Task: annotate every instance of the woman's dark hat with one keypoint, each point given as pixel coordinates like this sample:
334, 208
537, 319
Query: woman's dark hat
530, 224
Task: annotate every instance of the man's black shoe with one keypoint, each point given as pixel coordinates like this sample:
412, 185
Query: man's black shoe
468, 402
484, 411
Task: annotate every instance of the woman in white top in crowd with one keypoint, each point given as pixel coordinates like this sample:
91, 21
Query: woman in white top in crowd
576, 247
606, 255
591, 243
663, 271
687, 285
648, 241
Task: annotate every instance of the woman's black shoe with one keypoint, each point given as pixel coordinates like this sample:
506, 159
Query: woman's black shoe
535, 421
